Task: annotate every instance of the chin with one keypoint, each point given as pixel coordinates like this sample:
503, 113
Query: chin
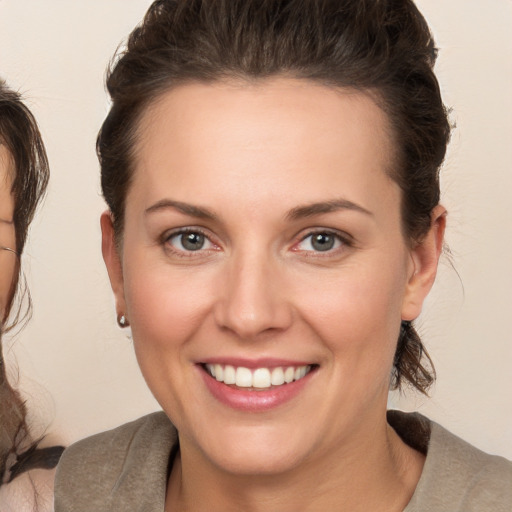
257, 462
256, 451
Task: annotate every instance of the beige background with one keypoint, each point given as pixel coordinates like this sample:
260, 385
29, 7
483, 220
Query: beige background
77, 368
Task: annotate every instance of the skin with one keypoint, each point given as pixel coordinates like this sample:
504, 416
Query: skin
254, 155
7, 234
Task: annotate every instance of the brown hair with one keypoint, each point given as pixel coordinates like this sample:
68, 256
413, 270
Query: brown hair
383, 47
20, 135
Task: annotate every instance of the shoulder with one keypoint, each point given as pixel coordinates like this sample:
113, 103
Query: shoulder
28, 492
457, 476
113, 469
112, 444
477, 480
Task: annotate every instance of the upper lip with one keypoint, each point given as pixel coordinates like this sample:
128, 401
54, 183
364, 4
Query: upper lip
264, 362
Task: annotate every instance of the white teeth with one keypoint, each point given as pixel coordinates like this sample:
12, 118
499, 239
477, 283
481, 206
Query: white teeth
211, 369
277, 377
243, 377
219, 373
289, 374
261, 378
229, 375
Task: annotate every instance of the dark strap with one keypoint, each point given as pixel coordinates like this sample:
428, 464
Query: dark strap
36, 458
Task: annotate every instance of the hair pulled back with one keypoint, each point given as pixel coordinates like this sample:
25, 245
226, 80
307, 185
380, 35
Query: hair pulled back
383, 47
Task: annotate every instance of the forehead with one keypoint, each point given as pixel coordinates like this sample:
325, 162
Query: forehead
278, 137
234, 104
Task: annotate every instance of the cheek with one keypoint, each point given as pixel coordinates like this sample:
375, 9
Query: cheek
165, 312
166, 306
357, 313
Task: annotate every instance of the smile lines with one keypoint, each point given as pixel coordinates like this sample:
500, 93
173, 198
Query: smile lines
260, 378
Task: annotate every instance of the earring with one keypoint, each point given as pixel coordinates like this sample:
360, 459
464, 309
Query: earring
122, 321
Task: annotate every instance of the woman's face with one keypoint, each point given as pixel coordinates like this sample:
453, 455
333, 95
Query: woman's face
7, 235
263, 243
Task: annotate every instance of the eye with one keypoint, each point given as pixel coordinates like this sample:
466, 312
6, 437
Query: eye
321, 241
189, 241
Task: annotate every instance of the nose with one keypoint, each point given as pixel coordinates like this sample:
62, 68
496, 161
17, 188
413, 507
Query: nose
254, 297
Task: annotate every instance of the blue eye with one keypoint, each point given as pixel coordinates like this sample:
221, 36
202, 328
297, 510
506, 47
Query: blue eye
189, 241
320, 242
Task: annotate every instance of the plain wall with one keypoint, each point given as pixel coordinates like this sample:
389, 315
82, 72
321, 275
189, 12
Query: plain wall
77, 369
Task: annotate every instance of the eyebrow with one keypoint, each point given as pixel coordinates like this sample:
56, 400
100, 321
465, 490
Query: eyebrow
309, 210
187, 209
299, 212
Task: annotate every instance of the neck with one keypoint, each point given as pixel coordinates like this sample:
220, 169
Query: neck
374, 471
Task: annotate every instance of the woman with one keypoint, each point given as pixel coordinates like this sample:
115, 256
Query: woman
271, 171
23, 179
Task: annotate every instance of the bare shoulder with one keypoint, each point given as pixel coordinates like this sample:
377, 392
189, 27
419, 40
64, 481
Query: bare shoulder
28, 492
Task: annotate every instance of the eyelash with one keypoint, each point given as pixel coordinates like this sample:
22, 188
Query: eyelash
344, 241
168, 236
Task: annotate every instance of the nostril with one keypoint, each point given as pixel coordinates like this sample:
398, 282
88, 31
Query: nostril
252, 298
252, 319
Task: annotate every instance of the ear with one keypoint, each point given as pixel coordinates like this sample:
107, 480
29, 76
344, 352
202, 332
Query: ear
425, 258
112, 261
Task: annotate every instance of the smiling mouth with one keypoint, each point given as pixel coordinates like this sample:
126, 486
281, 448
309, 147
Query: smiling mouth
259, 379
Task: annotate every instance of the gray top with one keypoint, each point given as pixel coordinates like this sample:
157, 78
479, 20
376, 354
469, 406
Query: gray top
126, 469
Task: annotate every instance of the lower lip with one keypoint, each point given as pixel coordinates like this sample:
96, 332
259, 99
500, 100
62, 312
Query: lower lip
252, 400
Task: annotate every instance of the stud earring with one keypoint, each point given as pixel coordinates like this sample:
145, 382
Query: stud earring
122, 321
